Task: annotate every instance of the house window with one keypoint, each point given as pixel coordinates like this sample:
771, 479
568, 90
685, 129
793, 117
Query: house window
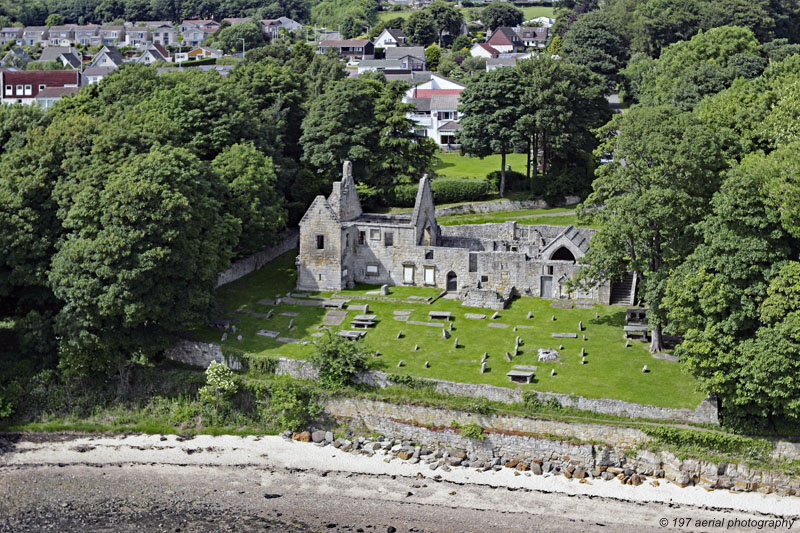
388, 238
549, 271
448, 139
372, 270
428, 254
19, 90
429, 275
320, 242
9, 90
408, 273
374, 234
28, 90
42, 86
484, 279
362, 238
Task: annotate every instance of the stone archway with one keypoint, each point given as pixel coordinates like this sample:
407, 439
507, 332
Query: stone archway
562, 254
452, 281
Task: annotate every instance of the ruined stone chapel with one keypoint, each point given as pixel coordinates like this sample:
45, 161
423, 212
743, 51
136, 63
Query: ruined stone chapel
485, 264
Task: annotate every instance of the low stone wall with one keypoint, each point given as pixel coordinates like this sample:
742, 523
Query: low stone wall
288, 241
541, 450
202, 354
502, 205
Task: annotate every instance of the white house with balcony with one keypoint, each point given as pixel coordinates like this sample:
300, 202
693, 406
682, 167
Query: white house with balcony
435, 112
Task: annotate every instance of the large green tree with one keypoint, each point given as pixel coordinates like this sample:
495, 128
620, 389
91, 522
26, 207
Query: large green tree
498, 14
593, 42
420, 28
648, 200
446, 18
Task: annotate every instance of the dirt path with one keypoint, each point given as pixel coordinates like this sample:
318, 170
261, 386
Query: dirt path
151, 483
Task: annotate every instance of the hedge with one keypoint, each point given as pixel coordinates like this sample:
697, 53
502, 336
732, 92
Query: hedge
445, 191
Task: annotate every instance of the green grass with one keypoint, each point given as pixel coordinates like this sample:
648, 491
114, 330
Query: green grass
529, 13
455, 165
612, 371
528, 217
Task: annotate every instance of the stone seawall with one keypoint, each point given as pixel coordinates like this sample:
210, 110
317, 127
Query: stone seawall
557, 447
289, 240
202, 354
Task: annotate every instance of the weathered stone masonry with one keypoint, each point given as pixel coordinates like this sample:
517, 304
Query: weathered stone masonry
484, 264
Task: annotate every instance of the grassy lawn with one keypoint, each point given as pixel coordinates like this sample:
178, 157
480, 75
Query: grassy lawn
528, 217
612, 371
455, 165
529, 13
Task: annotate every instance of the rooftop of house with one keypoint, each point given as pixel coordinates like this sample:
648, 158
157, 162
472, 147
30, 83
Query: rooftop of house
504, 36
57, 92
52, 53
345, 43
430, 93
488, 47
98, 71
44, 77
396, 33
396, 52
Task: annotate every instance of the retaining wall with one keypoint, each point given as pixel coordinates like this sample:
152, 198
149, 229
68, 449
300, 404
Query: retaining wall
288, 241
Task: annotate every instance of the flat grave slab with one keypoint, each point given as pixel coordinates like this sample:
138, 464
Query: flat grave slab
307, 303
334, 318
498, 325
584, 305
299, 295
441, 315
432, 324
520, 376
402, 312
374, 293
401, 318
336, 303
287, 339
318, 334
565, 335
266, 302
352, 335
268, 333
666, 357
420, 298
474, 316
524, 327
290, 313
561, 306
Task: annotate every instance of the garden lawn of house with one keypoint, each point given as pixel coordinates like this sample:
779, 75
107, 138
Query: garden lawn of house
611, 370
456, 165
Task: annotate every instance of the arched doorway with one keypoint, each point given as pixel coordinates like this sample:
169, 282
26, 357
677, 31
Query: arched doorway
452, 281
562, 254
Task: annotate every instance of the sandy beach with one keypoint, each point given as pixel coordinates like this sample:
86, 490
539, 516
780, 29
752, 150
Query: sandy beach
227, 483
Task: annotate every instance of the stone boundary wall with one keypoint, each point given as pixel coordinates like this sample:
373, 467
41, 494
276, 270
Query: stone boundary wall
502, 205
201, 354
289, 240
563, 457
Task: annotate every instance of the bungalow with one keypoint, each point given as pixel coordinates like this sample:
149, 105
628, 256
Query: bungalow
273, 27
532, 36
355, 49
48, 96
87, 35
22, 87
62, 35
92, 75
411, 57
10, 35
483, 50
201, 52
505, 60
108, 57
390, 37
505, 40
152, 54
111, 34
15, 58
387, 66
35, 35
435, 112
233, 21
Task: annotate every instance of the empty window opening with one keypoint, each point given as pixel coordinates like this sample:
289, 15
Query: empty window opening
562, 254
388, 238
375, 234
473, 262
320, 242
428, 254
484, 279
549, 271
362, 237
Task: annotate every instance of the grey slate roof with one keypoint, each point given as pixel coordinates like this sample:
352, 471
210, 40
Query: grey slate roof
451, 126
53, 53
422, 104
381, 63
415, 77
396, 52
441, 102
72, 59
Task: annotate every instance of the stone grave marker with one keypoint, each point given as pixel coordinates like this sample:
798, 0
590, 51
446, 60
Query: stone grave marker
552, 372
399, 334
384, 290
400, 363
273, 334
580, 325
583, 360
485, 357
239, 338
584, 336
515, 329
416, 347
565, 335
427, 364
474, 316
290, 313
560, 346
627, 343
644, 369
553, 318
583, 351
508, 357
269, 313
450, 326
498, 325
597, 315
495, 315
530, 314
455, 343
445, 334
483, 367
233, 328
291, 323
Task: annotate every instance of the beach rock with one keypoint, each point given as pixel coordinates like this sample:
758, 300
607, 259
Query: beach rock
453, 461
579, 473
523, 467
608, 476
512, 463
405, 455
318, 436
302, 436
536, 469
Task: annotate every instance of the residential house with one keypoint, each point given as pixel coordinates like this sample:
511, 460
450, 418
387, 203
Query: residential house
10, 35
92, 75
436, 109
233, 21
544, 22
353, 49
108, 57
532, 36
152, 54
195, 32
204, 52
111, 35
137, 36
35, 35
390, 37
15, 58
62, 35
164, 35
412, 57
66, 55
483, 50
505, 60
87, 35
387, 66
22, 87
506, 40
48, 96
273, 27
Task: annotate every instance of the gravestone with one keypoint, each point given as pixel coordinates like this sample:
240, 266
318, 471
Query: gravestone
584, 336
483, 367
530, 315
291, 323
546, 355
580, 325
508, 357
583, 360
445, 334
644, 369
583, 351
450, 326
516, 351
519, 339
553, 372
474, 316
485, 356
427, 364
495, 315
416, 347
597, 315
384, 290
233, 328
224, 337
269, 313
553, 318
627, 344
399, 334
239, 338
455, 343
515, 329
400, 363
377, 353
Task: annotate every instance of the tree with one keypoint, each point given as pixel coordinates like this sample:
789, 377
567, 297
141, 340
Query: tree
462, 42
230, 39
498, 14
220, 384
340, 126
490, 107
337, 360
252, 196
324, 68
140, 261
420, 29
592, 42
446, 18
432, 55
54, 19
665, 171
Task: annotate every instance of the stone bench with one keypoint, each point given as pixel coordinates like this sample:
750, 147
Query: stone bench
351, 335
520, 376
439, 315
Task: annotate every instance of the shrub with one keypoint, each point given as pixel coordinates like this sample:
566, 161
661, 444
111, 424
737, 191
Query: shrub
409, 381
708, 440
220, 384
515, 181
292, 406
450, 190
473, 431
479, 405
531, 400
337, 360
